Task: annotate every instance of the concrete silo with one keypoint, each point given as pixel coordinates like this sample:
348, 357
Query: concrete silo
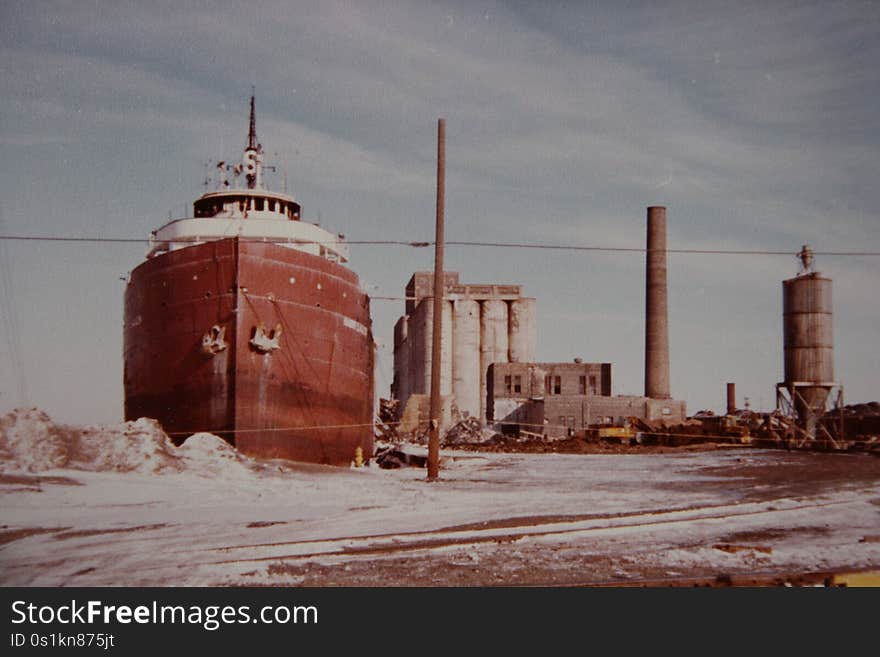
482, 324
446, 350
494, 344
466, 356
522, 330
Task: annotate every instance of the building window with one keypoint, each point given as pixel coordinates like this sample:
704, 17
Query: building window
259, 203
582, 385
508, 387
517, 383
548, 384
557, 385
593, 388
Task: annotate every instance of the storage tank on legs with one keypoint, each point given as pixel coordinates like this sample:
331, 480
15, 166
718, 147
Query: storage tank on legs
808, 341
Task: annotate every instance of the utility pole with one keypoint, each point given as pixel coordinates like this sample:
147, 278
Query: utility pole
439, 289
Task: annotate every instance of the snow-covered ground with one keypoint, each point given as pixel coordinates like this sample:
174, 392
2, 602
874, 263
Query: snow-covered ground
122, 506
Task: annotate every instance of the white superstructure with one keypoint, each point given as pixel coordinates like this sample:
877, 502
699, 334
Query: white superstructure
249, 212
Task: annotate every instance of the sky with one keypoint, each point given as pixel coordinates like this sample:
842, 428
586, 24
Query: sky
755, 124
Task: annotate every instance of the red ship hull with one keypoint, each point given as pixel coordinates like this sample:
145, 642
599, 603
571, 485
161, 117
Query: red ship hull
306, 396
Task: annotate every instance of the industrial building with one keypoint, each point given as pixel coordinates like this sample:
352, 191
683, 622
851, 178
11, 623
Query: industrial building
488, 367
553, 399
482, 324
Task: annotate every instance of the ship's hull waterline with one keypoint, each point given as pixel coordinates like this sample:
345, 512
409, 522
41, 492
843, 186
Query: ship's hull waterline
269, 347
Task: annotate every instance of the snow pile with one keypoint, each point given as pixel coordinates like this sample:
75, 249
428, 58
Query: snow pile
30, 440
137, 446
210, 455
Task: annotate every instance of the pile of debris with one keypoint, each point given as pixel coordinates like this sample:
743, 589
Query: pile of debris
411, 424
401, 440
391, 457
861, 424
869, 409
389, 410
467, 431
385, 426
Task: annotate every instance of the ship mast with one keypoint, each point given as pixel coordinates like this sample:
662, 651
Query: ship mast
252, 132
252, 161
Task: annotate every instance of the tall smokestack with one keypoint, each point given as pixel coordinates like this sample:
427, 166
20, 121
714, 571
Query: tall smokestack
656, 320
731, 399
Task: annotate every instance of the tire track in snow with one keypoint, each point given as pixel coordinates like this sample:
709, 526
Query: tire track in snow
549, 532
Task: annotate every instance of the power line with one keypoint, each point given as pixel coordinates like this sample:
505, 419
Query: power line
180, 240
621, 249
35, 238
422, 244
315, 427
